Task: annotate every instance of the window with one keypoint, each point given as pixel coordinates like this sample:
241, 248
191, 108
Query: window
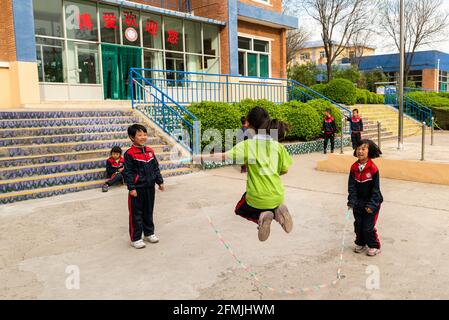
173, 34
254, 57
153, 60
193, 36
81, 21
305, 56
322, 54
210, 40
50, 61
83, 63
110, 24
47, 18
130, 27
152, 31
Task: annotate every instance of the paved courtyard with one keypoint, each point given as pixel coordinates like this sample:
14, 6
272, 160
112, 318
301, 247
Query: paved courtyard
43, 241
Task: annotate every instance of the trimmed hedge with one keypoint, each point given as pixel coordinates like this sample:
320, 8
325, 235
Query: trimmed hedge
438, 102
305, 119
367, 97
341, 91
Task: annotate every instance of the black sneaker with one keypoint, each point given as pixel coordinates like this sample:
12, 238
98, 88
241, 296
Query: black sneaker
105, 187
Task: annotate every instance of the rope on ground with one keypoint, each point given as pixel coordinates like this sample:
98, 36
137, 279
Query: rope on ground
316, 287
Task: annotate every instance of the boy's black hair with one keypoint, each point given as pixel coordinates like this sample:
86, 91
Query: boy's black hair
259, 119
132, 130
373, 150
328, 110
116, 149
355, 110
243, 120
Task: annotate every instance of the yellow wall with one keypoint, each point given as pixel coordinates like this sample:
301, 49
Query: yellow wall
314, 54
19, 84
5, 88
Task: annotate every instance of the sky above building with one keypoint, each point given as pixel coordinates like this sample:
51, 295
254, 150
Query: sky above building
378, 42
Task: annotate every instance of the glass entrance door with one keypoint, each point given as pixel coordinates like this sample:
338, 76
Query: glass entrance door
117, 61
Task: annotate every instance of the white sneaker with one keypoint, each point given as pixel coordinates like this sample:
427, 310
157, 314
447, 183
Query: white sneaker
151, 239
283, 217
139, 244
359, 249
373, 252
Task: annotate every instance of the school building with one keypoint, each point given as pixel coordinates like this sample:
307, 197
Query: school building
429, 70
61, 50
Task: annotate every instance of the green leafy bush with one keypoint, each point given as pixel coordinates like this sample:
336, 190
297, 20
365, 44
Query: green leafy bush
216, 115
341, 91
362, 96
246, 105
437, 102
321, 105
320, 88
304, 121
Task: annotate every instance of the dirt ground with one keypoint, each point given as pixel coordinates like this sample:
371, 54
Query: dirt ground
43, 241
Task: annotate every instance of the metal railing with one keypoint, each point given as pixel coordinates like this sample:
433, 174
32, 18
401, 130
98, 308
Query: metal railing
156, 90
170, 116
412, 108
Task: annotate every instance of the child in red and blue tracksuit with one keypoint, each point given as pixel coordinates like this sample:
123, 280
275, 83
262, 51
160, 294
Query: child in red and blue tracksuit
365, 197
329, 129
356, 127
114, 168
141, 174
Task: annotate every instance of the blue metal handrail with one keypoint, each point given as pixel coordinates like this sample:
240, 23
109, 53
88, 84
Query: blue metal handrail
412, 107
169, 115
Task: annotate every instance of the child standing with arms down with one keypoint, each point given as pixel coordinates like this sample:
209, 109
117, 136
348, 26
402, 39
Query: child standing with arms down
365, 197
329, 129
356, 127
141, 174
266, 160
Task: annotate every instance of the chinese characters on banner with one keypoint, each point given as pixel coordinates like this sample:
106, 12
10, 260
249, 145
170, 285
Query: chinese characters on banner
110, 22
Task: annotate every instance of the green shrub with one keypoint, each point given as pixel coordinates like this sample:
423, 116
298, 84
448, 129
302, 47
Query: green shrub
321, 105
341, 91
216, 115
246, 105
305, 123
362, 96
320, 88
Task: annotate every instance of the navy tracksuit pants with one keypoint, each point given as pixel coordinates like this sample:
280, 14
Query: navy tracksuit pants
365, 228
141, 213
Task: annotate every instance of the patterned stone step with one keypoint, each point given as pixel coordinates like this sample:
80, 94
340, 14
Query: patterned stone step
57, 122
67, 138
68, 188
70, 166
64, 114
54, 131
14, 151
69, 156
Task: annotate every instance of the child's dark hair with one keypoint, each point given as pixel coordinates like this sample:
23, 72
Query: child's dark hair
132, 130
259, 119
355, 110
373, 150
116, 149
328, 110
243, 120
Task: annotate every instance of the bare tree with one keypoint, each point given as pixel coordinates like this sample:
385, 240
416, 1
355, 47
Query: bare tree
339, 19
295, 41
426, 24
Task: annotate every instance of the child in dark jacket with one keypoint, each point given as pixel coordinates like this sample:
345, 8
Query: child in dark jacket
141, 174
329, 129
356, 127
114, 168
365, 197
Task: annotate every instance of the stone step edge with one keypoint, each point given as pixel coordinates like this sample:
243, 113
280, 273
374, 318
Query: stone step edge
63, 154
76, 185
73, 162
70, 118
65, 135
68, 144
61, 127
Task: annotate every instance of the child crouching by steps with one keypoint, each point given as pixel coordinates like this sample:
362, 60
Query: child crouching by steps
365, 197
266, 160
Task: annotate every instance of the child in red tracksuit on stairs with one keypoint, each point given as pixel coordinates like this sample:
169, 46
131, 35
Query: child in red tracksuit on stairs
365, 197
114, 168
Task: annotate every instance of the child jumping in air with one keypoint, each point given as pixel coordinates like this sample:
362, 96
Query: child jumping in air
114, 168
365, 197
141, 174
266, 160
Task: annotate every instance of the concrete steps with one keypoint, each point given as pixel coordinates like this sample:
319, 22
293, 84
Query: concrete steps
46, 153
